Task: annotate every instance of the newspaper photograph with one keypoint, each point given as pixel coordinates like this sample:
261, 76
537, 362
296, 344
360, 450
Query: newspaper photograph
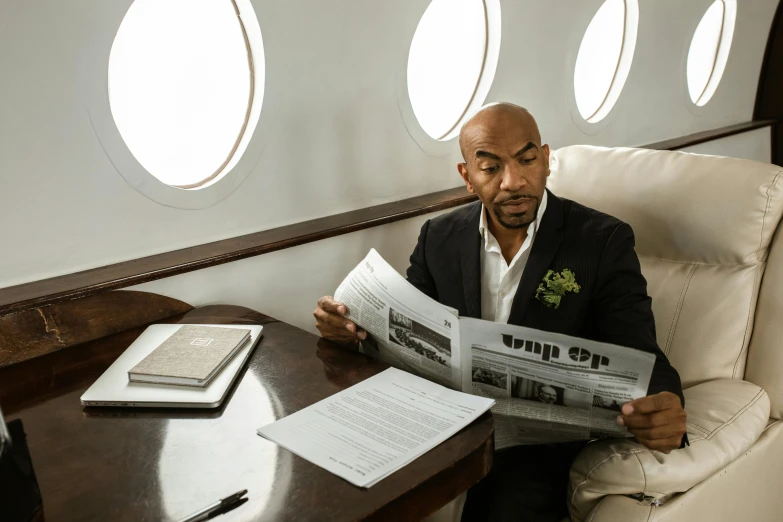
545, 383
407, 329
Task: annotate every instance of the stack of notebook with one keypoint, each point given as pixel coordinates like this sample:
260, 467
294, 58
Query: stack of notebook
192, 356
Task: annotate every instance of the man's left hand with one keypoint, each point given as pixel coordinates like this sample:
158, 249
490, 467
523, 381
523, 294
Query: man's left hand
657, 421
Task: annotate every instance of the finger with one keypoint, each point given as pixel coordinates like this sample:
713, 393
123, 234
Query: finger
650, 420
334, 320
361, 334
661, 433
329, 304
651, 403
663, 445
336, 334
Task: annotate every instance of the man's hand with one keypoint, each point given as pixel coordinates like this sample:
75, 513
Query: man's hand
333, 326
657, 421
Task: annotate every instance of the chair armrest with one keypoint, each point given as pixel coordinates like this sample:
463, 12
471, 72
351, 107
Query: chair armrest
725, 418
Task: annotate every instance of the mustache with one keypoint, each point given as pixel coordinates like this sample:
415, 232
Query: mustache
516, 197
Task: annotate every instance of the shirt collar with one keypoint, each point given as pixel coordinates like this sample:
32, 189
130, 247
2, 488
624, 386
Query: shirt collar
490, 243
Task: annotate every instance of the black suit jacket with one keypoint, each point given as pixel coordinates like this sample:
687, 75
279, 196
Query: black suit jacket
612, 305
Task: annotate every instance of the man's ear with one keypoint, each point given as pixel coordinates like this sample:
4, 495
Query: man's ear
545, 148
463, 171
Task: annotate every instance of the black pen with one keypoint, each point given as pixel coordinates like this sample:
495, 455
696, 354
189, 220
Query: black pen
218, 508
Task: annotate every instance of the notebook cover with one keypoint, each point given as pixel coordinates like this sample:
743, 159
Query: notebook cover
192, 352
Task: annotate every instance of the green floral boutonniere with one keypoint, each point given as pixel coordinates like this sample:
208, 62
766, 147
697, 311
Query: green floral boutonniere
554, 286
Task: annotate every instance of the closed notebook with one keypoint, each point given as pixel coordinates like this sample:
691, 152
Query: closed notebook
191, 356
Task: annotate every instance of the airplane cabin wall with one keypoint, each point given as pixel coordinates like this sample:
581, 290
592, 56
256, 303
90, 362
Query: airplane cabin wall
334, 136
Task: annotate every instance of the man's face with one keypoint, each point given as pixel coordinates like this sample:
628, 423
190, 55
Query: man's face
547, 394
506, 166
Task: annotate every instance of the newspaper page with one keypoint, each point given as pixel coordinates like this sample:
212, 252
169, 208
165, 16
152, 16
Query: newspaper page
550, 387
407, 329
547, 387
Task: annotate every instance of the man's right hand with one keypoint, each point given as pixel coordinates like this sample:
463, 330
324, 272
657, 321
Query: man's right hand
330, 321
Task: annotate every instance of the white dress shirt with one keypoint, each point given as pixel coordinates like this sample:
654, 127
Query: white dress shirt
499, 280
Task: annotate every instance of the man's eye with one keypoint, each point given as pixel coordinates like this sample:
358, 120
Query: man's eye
491, 169
528, 161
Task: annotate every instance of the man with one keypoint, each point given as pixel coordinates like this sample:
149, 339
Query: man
488, 260
547, 394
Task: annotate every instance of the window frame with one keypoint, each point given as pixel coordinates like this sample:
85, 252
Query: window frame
445, 144
253, 138
620, 77
722, 54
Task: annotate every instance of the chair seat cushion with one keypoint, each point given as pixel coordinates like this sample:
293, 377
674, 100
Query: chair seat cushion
725, 418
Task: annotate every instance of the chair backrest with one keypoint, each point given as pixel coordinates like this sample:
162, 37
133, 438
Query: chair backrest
765, 354
703, 227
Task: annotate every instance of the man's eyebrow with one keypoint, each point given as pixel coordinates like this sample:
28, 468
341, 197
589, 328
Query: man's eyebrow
485, 154
530, 145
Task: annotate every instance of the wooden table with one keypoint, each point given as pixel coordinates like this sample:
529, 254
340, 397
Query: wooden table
119, 464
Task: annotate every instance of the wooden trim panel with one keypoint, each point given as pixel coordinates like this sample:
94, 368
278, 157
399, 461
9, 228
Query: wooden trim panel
38, 331
710, 135
159, 266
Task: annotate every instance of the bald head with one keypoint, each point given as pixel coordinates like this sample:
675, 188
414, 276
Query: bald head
547, 394
494, 118
505, 164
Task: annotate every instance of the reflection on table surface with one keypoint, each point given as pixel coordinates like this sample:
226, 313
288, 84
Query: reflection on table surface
163, 464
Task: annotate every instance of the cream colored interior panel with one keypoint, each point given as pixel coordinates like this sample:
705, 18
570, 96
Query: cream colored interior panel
712, 329
682, 207
748, 489
765, 353
702, 314
725, 419
667, 284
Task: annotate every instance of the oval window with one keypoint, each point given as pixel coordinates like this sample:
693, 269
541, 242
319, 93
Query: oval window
709, 50
449, 72
604, 58
182, 85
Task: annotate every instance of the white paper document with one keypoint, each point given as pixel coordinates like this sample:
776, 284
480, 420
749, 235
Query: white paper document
376, 427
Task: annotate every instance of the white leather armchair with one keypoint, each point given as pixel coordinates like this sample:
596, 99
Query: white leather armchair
706, 237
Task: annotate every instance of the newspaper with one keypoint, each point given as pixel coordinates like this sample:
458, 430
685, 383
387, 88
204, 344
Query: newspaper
547, 387
571, 388
407, 329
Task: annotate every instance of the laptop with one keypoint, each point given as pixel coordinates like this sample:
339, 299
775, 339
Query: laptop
113, 388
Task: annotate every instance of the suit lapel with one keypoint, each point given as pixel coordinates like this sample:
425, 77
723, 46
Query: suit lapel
470, 262
545, 246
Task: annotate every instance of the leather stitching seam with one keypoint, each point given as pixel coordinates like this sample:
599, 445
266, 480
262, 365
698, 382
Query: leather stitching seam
702, 429
710, 432
730, 265
635, 452
643, 472
597, 509
738, 414
601, 463
768, 426
678, 309
759, 255
748, 325
650, 515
